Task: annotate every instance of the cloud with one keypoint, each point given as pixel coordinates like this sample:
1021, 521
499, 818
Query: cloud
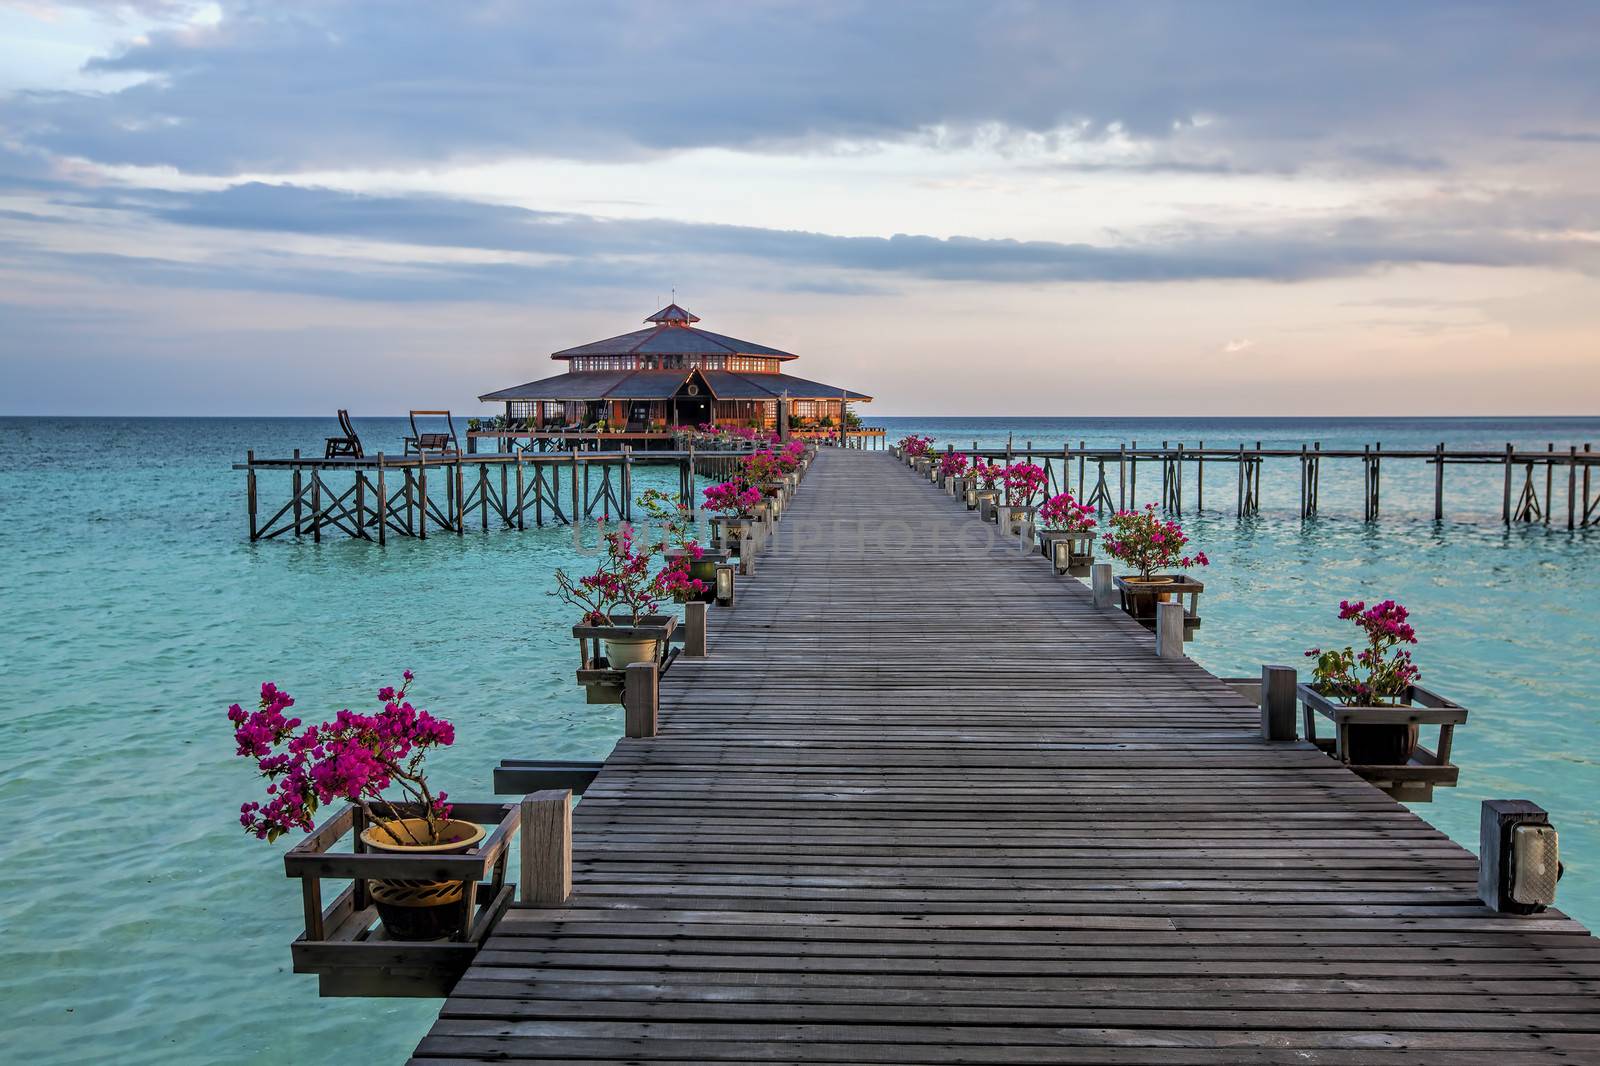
294, 85
394, 248
1238, 345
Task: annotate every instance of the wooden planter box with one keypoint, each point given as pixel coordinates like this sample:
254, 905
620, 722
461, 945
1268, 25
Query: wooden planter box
707, 564
605, 684
1020, 516
1415, 780
728, 531
346, 947
989, 505
1080, 549
1140, 602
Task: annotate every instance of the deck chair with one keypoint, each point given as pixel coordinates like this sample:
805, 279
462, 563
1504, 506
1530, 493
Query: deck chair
420, 443
349, 444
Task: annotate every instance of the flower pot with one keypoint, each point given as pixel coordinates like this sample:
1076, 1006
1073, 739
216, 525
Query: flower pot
1142, 603
420, 910
1374, 744
622, 652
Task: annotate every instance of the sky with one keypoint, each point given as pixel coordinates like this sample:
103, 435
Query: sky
1006, 208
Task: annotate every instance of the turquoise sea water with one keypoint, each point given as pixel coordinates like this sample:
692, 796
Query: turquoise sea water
143, 926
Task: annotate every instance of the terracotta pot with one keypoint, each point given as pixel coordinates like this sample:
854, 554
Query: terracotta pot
1150, 583
420, 910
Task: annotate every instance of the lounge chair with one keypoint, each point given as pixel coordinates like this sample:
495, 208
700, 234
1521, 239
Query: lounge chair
349, 444
441, 443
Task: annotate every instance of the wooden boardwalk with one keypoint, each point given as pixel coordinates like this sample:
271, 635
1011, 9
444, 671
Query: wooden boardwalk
927, 804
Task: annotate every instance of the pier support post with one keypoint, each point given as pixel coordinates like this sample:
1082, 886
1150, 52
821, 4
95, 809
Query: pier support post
694, 626
1278, 702
250, 490
316, 506
1438, 483
1505, 506
547, 847
1501, 884
383, 505
300, 493
1100, 582
1169, 630
1572, 487
641, 699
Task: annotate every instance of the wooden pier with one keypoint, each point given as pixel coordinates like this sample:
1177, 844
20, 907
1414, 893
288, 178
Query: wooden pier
377, 497
1537, 486
925, 803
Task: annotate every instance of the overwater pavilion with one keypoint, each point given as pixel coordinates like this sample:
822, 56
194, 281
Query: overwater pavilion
669, 374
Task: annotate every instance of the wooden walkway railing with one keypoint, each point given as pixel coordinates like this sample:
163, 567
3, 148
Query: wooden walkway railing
925, 803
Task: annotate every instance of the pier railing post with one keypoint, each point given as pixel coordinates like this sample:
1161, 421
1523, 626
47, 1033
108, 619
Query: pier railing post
1278, 702
547, 847
747, 552
1100, 582
694, 629
641, 698
1169, 630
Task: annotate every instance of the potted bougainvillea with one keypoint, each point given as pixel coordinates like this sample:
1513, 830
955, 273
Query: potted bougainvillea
1150, 543
1024, 485
734, 504
952, 471
911, 446
374, 761
1377, 683
691, 568
914, 450
985, 494
619, 602
1062, 519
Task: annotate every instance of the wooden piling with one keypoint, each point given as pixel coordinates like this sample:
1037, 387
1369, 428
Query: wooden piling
250, 491
577, 502
383, 506
1133, 476
422, 501
1572, 487
299, 491
521, 486
316, 506
1505, 507
1549, 478
1438, 483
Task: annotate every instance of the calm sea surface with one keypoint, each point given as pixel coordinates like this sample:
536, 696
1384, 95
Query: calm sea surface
143, 926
